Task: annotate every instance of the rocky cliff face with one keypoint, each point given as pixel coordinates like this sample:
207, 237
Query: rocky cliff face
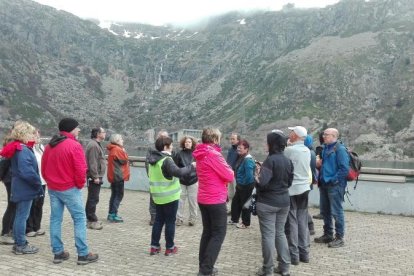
347, 66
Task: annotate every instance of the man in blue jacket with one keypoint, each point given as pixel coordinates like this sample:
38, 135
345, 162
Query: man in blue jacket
334, 166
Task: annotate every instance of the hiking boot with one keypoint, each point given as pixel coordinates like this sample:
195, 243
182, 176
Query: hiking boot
155, 251
191, 222
6, 239
278, 271
25, 249
263, 272
40, 232
179, 222
95, 225
151, 222
214, 273
304, 260
318, 216
312, 232
172, 251
294, 262
337, 242
31, 234
324, 239
110, 217
61, 257
90, 258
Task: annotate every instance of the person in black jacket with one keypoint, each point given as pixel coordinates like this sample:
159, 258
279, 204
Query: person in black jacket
272, 205
8, 217
189, 183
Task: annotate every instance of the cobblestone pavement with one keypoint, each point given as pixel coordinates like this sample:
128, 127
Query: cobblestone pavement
375, 245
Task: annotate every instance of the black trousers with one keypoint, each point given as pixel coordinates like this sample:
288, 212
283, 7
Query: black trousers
240, 197
214, 217
36, 212
8, 217
92, 200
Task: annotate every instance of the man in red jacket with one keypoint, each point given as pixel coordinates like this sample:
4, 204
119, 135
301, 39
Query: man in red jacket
64, 169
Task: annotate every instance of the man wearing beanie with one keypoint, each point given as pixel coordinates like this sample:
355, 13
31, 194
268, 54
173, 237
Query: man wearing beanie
95, 157
64, 169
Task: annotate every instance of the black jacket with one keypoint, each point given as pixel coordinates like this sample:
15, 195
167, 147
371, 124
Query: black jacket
5, 170
276, 176
169, 168
185, 158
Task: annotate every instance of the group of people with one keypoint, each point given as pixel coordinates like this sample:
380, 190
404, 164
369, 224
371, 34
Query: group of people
27, 166
198, 173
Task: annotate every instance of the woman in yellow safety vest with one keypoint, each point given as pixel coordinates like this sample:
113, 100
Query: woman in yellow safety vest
165, 190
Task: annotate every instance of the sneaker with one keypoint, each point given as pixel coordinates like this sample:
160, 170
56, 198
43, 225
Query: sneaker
6, 239
241, 226
278, 271
110, 217
117, 219
318, 216
90, 258
230, 222
25, 249
172, 251
31, 234
95, 225
40, 232
337, 242
179, 222
324, 239
155, 251
61, 257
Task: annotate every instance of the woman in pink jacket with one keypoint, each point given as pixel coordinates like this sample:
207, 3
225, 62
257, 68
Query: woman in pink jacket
213, 176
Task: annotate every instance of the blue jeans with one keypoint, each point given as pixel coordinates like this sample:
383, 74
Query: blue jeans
72, 199
165, 214
19, 225
331, 198
117, 194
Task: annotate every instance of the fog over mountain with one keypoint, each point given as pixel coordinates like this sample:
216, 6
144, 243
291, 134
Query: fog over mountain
348, 66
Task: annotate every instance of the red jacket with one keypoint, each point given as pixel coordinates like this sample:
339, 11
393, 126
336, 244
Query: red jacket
63, 163
213, 174
118, 164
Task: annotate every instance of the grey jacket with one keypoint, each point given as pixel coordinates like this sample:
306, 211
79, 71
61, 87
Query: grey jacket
95, 158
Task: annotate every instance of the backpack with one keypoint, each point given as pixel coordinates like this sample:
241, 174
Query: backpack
355, 165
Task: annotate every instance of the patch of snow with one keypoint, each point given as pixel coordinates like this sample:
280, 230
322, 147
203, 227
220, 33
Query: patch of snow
243, 22
154, 37
139, 35
127, 33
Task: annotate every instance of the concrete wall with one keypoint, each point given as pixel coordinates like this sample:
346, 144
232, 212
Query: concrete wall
369, 196
376, 197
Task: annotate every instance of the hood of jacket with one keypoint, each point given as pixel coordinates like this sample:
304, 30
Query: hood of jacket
111, 146
58, 138
202, 150
155, 156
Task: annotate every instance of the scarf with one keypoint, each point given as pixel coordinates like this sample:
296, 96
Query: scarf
10, 149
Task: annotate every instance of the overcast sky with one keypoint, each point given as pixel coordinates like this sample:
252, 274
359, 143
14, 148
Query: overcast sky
158, 12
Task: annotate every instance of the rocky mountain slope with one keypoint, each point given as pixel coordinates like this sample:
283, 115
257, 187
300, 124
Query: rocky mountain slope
348, 66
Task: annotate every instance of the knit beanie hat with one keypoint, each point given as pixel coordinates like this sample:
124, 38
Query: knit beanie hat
68, 124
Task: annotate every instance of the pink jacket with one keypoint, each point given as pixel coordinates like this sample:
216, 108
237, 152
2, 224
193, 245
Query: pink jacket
63, 163
213, 174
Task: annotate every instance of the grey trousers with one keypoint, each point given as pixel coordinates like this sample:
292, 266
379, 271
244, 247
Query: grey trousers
272, 227
298, 235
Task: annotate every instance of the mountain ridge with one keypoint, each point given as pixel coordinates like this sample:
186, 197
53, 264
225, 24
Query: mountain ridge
347, 66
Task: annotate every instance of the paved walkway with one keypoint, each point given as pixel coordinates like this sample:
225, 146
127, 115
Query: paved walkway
375, 245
